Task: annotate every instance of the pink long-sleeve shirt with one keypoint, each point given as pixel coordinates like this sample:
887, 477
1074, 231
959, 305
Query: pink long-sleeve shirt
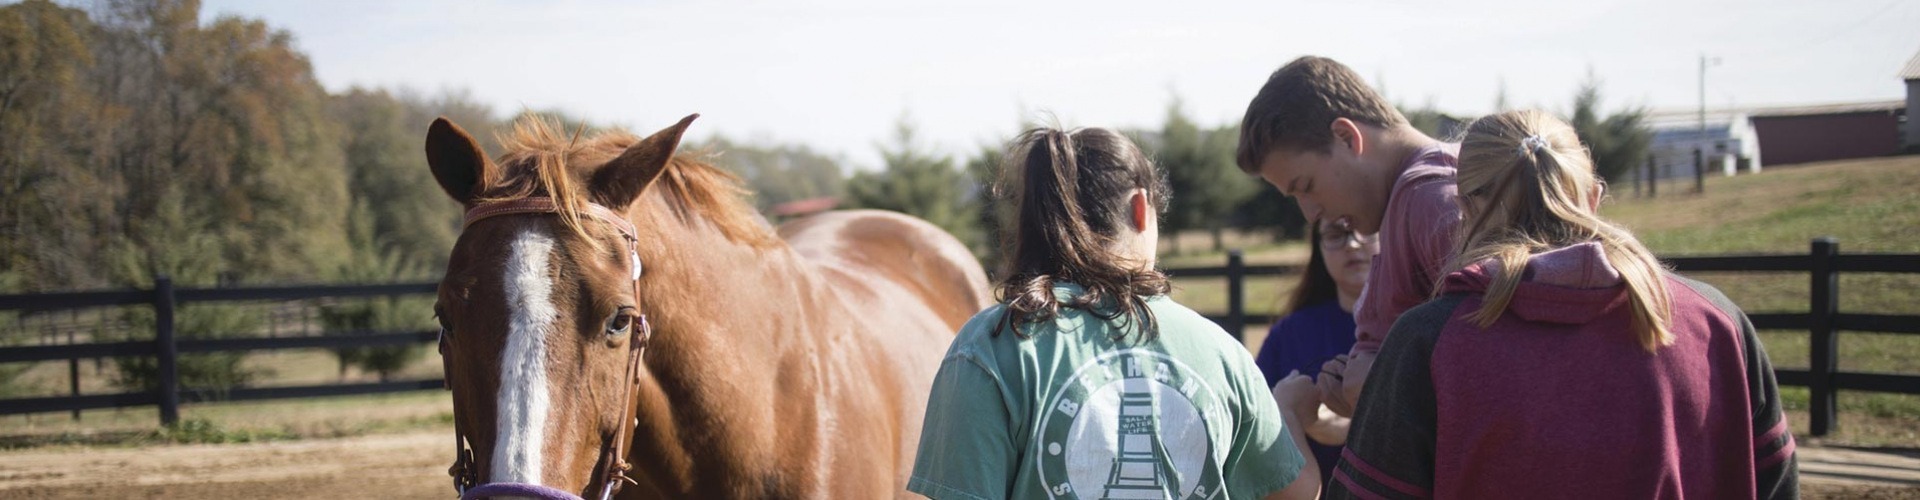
1416, 236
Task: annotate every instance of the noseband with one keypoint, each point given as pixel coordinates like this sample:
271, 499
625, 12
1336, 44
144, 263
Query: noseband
613, 453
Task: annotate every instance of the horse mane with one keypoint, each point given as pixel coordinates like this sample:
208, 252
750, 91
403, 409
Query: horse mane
541, 158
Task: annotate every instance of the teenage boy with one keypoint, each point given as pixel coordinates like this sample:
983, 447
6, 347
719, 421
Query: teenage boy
1319, 134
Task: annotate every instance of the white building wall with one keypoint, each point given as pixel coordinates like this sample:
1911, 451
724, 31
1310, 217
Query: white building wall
1723, 146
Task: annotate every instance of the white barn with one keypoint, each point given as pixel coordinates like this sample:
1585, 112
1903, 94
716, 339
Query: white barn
1728, 143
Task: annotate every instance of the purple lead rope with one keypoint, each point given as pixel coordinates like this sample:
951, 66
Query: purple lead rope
517, 490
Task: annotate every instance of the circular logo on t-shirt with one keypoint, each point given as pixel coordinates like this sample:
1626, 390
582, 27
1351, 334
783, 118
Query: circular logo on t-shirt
1132, 423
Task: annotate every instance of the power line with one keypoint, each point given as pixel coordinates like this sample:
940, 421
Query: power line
1829, 36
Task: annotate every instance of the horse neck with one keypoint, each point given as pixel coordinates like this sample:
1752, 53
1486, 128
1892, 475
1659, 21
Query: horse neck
726, 315
695, 274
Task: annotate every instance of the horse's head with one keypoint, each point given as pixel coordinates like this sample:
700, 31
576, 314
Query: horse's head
542, 320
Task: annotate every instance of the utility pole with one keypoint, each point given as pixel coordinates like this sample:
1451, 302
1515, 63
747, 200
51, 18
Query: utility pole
1700, 144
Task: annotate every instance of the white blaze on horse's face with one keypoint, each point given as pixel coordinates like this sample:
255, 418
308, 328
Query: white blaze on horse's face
525, 401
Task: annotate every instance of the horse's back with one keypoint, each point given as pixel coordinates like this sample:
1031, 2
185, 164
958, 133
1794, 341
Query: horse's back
905, 287
894, 250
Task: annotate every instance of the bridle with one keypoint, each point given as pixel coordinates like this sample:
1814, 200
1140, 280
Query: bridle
613, 453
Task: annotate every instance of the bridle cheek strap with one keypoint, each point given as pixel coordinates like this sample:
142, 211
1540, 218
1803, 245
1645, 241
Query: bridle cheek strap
616, 465
613, 458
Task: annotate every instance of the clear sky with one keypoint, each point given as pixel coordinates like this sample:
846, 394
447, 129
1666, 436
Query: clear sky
837, 74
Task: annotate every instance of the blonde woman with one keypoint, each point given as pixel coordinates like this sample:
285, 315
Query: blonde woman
1560, 359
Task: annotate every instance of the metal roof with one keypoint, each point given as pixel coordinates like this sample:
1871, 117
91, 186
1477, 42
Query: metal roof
1726, 115
1912, 70
1690, 118
1831, 109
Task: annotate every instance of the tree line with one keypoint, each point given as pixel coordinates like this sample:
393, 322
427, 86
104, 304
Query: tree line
136, 140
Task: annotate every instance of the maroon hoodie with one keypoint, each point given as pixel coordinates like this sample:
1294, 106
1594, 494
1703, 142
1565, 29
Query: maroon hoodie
1557, 398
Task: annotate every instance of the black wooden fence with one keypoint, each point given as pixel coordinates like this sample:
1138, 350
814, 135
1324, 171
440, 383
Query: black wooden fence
165, 299
1824, 320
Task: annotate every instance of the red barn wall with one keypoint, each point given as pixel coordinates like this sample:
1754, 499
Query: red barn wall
1810, 138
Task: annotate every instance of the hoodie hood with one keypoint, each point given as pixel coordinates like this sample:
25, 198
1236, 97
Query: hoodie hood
1568, 285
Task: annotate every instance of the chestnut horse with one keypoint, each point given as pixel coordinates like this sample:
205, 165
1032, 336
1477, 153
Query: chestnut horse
610, 303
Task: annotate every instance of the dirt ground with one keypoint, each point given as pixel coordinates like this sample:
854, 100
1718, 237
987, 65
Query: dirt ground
414, 465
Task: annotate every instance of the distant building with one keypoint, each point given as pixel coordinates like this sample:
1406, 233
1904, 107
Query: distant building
1911, 73
1804, 134
802, 208
1736, 140
1726, 139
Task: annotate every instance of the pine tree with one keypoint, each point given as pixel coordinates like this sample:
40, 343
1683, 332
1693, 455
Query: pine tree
1618, 142
1207, 186
778, 173
920, 183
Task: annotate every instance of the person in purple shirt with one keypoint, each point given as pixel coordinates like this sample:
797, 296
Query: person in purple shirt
1560, 360
1319, 325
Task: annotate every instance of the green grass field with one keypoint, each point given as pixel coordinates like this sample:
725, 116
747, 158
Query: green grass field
1868, 206
230, 422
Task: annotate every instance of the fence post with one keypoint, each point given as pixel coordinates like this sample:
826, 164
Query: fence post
169, 352
73, 364
1653, 177
1699, 171
73, 376
1639, 173
1825, 305
1236, 293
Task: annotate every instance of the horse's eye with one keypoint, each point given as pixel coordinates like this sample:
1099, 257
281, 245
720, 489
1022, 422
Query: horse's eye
620, 322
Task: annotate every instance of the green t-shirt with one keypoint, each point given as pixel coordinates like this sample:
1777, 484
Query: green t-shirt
1071, 413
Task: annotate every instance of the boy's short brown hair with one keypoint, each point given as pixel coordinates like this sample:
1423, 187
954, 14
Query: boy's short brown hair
1298, 102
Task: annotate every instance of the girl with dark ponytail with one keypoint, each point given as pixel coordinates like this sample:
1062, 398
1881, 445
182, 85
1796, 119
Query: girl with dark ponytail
1087, 381
1096, 236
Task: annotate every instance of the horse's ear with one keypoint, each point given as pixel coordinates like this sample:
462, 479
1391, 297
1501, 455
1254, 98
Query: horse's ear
622, 180
457, 161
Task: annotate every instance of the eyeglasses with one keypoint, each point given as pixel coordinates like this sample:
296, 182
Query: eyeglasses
1339, 238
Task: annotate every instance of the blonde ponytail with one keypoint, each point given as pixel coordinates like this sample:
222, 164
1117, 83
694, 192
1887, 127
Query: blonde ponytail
1525, 181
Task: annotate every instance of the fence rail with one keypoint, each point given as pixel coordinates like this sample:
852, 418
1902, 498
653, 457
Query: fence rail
165, 300
1823, 321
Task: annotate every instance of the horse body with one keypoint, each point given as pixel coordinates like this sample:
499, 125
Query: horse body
872, 262
819, 397
795, 368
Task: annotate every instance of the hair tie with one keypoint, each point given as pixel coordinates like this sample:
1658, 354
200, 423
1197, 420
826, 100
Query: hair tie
1533, 144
